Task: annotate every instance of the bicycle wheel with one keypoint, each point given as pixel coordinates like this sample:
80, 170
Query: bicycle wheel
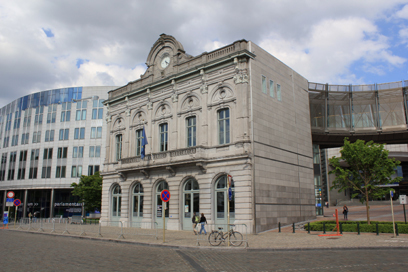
214, 238
236, 238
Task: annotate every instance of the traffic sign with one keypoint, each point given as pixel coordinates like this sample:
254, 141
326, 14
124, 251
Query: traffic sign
9, 202
403, 199
17, 202
10, 194
165, 195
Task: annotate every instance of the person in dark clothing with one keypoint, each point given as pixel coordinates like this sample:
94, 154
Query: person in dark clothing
203, 221
345, 211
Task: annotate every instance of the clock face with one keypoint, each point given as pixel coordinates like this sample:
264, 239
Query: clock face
165, 62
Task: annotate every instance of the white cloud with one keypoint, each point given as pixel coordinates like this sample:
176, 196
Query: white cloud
403, 13
332, 47
319, 39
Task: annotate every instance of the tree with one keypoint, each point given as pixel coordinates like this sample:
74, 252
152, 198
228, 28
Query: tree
368, 166
89, 189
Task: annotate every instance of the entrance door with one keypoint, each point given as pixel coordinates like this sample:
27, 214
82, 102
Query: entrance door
116, 205
191, 203
137, 210
221, 195
159, 205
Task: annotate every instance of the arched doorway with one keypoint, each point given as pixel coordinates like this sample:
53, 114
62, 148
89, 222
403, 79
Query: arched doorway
191, 202
116, 203
221, 200
162, 185
137, 204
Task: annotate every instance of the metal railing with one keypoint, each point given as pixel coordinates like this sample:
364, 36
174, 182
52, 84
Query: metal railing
102, 229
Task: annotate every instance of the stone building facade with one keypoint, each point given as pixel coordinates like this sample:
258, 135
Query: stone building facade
234, 111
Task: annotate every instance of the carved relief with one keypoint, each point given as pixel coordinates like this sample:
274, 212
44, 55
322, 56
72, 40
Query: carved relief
139, 118
149, 103
119, 124
222, 94
204, 86
162, 111
191, 102
241, 76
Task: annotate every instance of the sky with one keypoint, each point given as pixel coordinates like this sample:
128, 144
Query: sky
54, 44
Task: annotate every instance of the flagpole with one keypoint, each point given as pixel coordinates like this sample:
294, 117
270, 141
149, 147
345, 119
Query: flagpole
151, 151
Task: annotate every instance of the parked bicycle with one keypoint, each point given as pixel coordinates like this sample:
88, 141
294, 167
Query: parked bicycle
217, 236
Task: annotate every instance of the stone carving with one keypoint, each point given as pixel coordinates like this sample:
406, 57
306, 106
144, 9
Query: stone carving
204, 86
241, 76
149, 103
191, 102
174, 97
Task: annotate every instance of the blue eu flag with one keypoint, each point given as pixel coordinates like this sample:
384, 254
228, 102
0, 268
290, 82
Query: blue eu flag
144, 143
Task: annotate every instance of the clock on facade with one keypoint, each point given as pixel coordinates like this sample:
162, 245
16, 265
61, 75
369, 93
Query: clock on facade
165, 61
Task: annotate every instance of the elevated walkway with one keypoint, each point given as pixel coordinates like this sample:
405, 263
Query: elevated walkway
375, 112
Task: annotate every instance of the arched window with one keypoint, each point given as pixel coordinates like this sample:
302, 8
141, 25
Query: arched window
116, 201
137, 211
222, 196
223, 117
191, 196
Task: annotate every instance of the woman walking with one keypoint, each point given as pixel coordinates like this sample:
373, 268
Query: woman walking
345, 211
203, 221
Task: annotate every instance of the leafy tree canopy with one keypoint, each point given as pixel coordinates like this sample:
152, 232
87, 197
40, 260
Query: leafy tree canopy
368, 166
89, 189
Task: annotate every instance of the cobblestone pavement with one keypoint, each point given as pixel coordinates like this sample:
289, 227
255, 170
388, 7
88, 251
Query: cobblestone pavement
28, 251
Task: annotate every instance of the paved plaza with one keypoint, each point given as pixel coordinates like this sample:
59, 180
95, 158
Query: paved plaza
53, 250
271, 240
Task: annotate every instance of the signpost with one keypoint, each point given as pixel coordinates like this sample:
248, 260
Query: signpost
5, 220
165, 197
16, 203
403, 201
392, 212
9, 203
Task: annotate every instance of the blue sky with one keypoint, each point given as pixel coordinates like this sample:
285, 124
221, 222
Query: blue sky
77, 43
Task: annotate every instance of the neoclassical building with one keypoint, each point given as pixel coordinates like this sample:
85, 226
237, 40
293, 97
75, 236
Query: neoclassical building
234, 111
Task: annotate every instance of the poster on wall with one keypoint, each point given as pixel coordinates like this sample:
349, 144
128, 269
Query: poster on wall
159, 210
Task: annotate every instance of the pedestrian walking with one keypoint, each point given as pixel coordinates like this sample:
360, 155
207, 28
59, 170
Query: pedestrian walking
203, 221
30, 217
195, 220
345, 211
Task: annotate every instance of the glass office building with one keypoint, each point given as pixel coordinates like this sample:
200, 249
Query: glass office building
47, 141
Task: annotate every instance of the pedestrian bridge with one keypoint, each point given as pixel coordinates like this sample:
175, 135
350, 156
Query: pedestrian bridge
377, 112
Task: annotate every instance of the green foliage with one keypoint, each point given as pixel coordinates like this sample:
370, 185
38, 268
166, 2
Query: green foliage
351, 226
368, 166
91, 221
89, 189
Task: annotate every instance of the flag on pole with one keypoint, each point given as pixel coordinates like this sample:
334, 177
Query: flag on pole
144, 143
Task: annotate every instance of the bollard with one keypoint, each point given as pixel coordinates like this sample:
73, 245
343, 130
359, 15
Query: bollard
308, 227
396, 229
358, 228
324, 227
279, 227
376, 228
341, 228
293, 226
